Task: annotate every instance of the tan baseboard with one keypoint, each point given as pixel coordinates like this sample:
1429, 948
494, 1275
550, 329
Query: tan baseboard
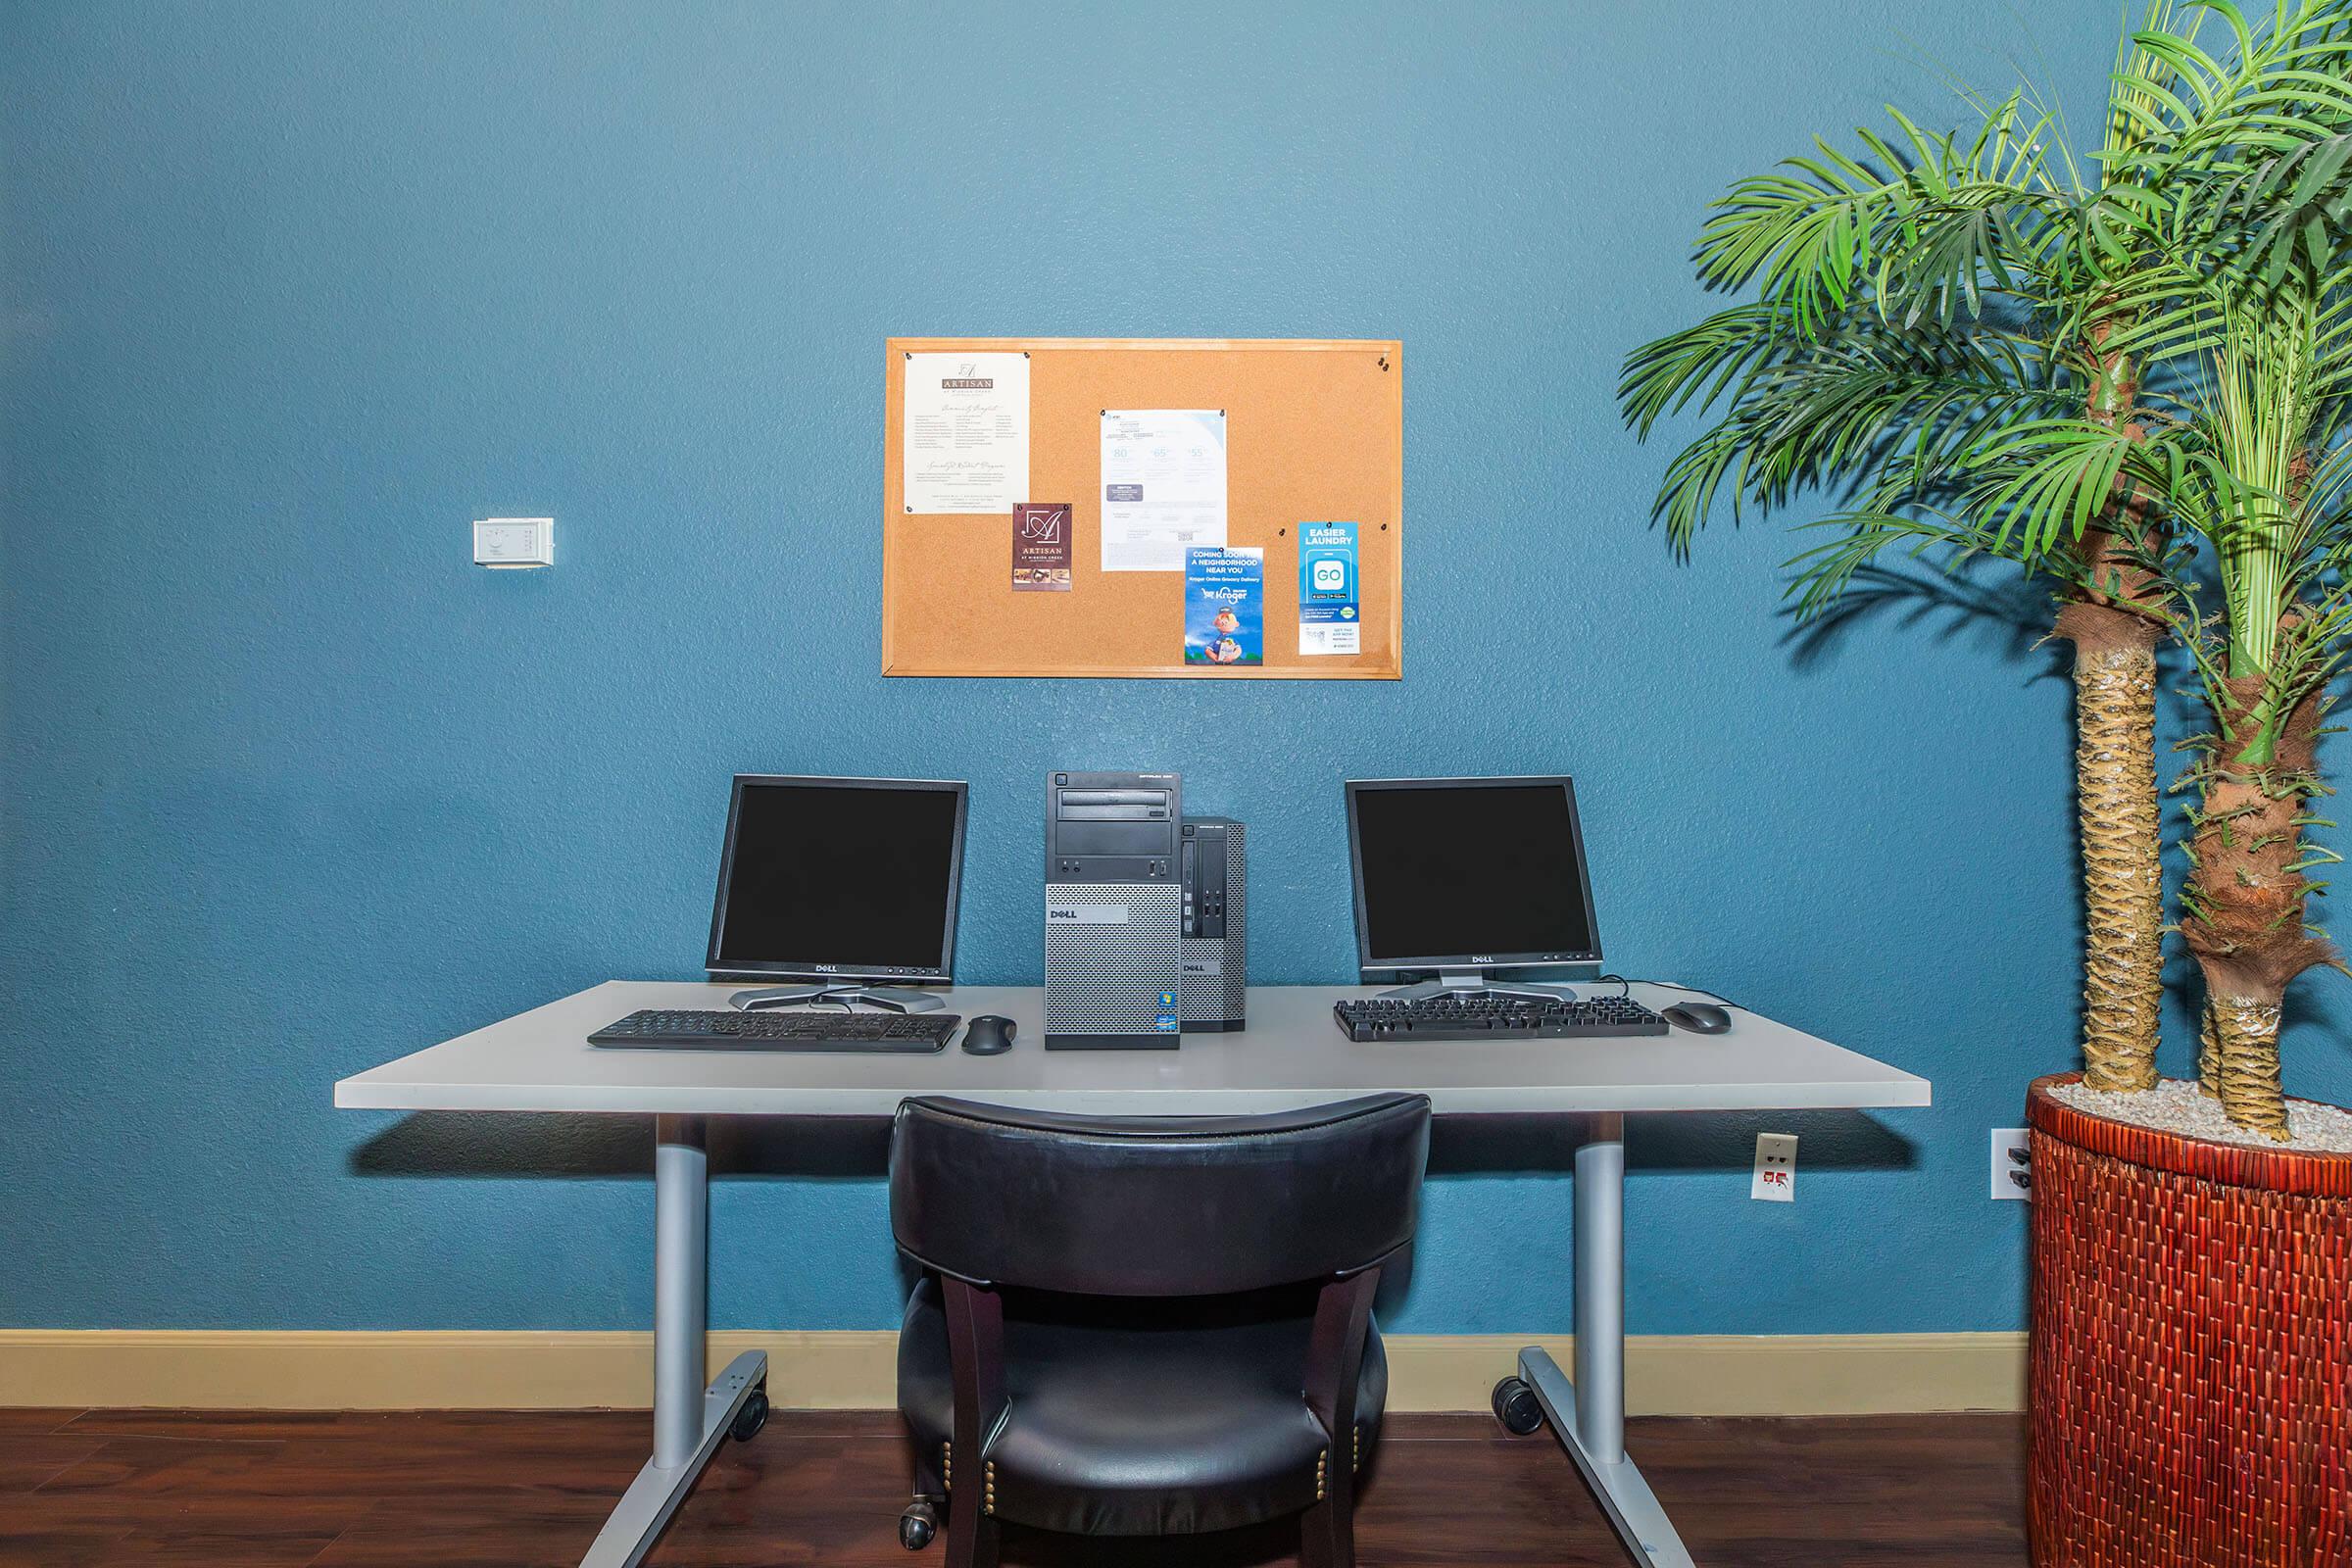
1828, 1374
1736, 1374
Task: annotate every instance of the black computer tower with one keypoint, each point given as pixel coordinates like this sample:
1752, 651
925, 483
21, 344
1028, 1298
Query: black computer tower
1216, 928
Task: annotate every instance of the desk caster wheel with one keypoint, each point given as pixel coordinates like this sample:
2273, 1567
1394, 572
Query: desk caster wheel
749, 1417
1516, 1408
918, 1525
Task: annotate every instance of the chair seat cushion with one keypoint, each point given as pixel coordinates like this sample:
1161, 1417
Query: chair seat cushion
1140, 1418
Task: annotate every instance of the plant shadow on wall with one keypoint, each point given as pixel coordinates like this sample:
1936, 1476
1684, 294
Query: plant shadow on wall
2126, 373
2008, 616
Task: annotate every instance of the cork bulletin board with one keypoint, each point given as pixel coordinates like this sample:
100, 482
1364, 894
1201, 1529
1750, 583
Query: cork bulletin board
1316, 433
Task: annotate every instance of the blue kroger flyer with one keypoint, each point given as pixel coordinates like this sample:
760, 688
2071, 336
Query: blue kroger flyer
1330, 620
1224, 606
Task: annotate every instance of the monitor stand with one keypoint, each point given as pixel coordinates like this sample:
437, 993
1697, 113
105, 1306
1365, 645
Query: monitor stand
898, 998
1474, 983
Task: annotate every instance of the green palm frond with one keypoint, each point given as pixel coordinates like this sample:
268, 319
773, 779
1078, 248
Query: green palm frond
1807, 232
2292, 209
1986, 355
2044, 483
1908, 402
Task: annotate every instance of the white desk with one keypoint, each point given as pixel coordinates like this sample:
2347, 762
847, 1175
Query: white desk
1292, 1054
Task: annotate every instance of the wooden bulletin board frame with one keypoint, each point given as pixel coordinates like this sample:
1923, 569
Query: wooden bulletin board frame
1316, 433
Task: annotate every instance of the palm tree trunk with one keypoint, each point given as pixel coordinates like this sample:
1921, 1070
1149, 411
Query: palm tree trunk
2122, 875
2246, 1050
2114, 767
2209, 1053
2242, 914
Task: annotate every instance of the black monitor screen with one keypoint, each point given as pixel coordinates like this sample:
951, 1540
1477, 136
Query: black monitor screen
1470, 871
834, 877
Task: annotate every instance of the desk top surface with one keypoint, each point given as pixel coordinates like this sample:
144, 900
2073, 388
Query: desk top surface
1292, 1054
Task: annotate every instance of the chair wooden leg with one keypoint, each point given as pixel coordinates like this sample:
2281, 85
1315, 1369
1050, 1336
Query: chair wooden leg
1327, 1535
1314, 1537
971, 1533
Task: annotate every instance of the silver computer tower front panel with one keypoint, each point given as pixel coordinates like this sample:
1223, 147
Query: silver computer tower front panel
1113, 965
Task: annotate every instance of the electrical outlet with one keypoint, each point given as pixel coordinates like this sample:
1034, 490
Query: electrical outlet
1774, 1181
2012, 1163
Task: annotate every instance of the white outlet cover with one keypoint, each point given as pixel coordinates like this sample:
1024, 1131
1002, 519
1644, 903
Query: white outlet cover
2007, 1143
1775, 1180
514, 542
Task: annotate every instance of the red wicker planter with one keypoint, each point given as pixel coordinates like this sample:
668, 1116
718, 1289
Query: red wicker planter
2192, 1380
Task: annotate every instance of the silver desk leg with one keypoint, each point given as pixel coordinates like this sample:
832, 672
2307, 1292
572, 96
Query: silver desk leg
1588, 1417
689, 1418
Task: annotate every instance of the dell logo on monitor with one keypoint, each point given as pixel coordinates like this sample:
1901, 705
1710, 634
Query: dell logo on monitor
1482, 958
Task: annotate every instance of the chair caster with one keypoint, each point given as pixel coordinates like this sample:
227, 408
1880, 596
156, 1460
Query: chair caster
1517, 1407
750, 1416
918, 1525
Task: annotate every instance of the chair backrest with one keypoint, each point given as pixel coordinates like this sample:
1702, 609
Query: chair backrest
1155, 1205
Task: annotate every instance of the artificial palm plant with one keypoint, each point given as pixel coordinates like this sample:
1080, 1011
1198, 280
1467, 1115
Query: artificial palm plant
2259, 472
1971, 338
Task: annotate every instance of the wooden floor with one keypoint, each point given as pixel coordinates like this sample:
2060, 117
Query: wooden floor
101, 1489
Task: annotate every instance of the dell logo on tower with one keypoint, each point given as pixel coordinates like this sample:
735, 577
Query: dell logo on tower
1086, 914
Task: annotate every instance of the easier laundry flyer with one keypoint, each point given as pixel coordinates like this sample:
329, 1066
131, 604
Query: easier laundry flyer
1224, 606
1330, 619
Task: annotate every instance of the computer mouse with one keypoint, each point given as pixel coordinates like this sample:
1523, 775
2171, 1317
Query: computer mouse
1699, 1018
988, 1035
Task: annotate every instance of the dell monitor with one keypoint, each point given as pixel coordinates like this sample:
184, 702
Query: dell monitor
1468, 878
843, 883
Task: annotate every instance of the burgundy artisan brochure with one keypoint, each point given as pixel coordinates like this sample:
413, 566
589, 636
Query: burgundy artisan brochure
1041, 547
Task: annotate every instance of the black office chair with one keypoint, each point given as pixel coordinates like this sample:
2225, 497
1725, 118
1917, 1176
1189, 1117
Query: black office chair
1145, 1326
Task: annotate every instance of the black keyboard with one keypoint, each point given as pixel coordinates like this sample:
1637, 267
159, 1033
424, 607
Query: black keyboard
1494, 1019
912, 1032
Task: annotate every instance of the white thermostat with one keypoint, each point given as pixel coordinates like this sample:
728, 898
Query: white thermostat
514, 542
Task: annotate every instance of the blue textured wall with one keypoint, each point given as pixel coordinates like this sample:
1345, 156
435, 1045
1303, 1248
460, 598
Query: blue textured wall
293, 291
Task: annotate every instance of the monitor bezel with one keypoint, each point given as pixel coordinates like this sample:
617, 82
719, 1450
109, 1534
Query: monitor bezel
791, 969
1368, 964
